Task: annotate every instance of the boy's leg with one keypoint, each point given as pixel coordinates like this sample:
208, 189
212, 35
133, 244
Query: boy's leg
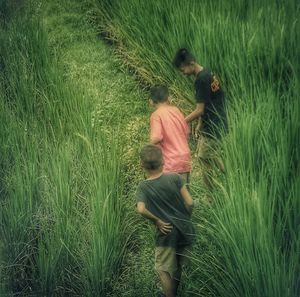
166, 265
206, 151
182, 261
177, 278
167, 284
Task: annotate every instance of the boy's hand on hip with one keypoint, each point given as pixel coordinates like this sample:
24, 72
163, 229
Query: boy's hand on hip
164, 227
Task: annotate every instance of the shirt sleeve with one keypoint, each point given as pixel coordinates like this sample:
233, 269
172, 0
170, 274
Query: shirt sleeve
155, 128
203, 91
140, 195
179, 181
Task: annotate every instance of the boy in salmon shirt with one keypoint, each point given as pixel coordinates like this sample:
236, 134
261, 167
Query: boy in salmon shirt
169, 130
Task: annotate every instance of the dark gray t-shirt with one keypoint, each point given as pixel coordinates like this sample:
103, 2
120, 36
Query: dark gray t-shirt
163, 199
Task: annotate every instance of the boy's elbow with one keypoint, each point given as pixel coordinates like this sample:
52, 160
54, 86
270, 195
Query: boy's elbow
155, 140
190, 204
140, 208
199, 112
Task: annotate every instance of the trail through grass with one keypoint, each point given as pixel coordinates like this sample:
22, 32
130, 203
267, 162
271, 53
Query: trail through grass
66, 216
119, 101
75, 120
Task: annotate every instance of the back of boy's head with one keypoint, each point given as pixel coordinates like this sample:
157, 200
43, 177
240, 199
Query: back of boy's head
159, 93
183, 57
151, 157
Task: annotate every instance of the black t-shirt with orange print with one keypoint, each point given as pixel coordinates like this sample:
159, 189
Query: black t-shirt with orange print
209, 92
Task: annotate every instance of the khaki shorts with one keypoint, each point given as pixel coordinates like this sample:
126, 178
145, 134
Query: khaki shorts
168, 260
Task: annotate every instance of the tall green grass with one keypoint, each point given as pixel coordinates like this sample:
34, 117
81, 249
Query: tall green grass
254, 48
255, 222
64, 226
240, 41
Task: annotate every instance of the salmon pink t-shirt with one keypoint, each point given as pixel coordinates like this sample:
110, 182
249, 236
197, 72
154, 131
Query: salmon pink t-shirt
167, 124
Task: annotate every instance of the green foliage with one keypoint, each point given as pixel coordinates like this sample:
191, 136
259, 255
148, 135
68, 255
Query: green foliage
64, 225
71, 131
240, 42
254, 48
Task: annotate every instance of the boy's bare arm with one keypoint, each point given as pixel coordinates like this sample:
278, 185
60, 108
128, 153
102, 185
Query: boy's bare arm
156, 135
188, 200
155, 140
199, 110
197, 127
161, 225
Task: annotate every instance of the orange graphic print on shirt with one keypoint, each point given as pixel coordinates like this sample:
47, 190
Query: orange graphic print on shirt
215, 85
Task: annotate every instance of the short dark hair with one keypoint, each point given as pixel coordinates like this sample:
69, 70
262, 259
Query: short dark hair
183, 57
151, 157
159, 93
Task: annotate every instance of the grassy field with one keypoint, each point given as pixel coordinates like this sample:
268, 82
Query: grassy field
73, 117
65, 217
254, 47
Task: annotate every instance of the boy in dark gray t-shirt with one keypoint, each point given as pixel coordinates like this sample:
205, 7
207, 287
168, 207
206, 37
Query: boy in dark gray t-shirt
165, 200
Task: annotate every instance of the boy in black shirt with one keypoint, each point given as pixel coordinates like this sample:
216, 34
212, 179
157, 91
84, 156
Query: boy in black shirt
210, 102
210, 111
165, 200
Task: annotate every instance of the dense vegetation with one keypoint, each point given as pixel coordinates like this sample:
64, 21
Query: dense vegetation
254, 47
64, 226
68, 168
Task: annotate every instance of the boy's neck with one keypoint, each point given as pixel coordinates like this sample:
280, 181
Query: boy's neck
198, 68
153, 174
158, 105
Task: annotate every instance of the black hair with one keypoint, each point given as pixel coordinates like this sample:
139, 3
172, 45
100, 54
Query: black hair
183, 57
151, 157
159, 93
